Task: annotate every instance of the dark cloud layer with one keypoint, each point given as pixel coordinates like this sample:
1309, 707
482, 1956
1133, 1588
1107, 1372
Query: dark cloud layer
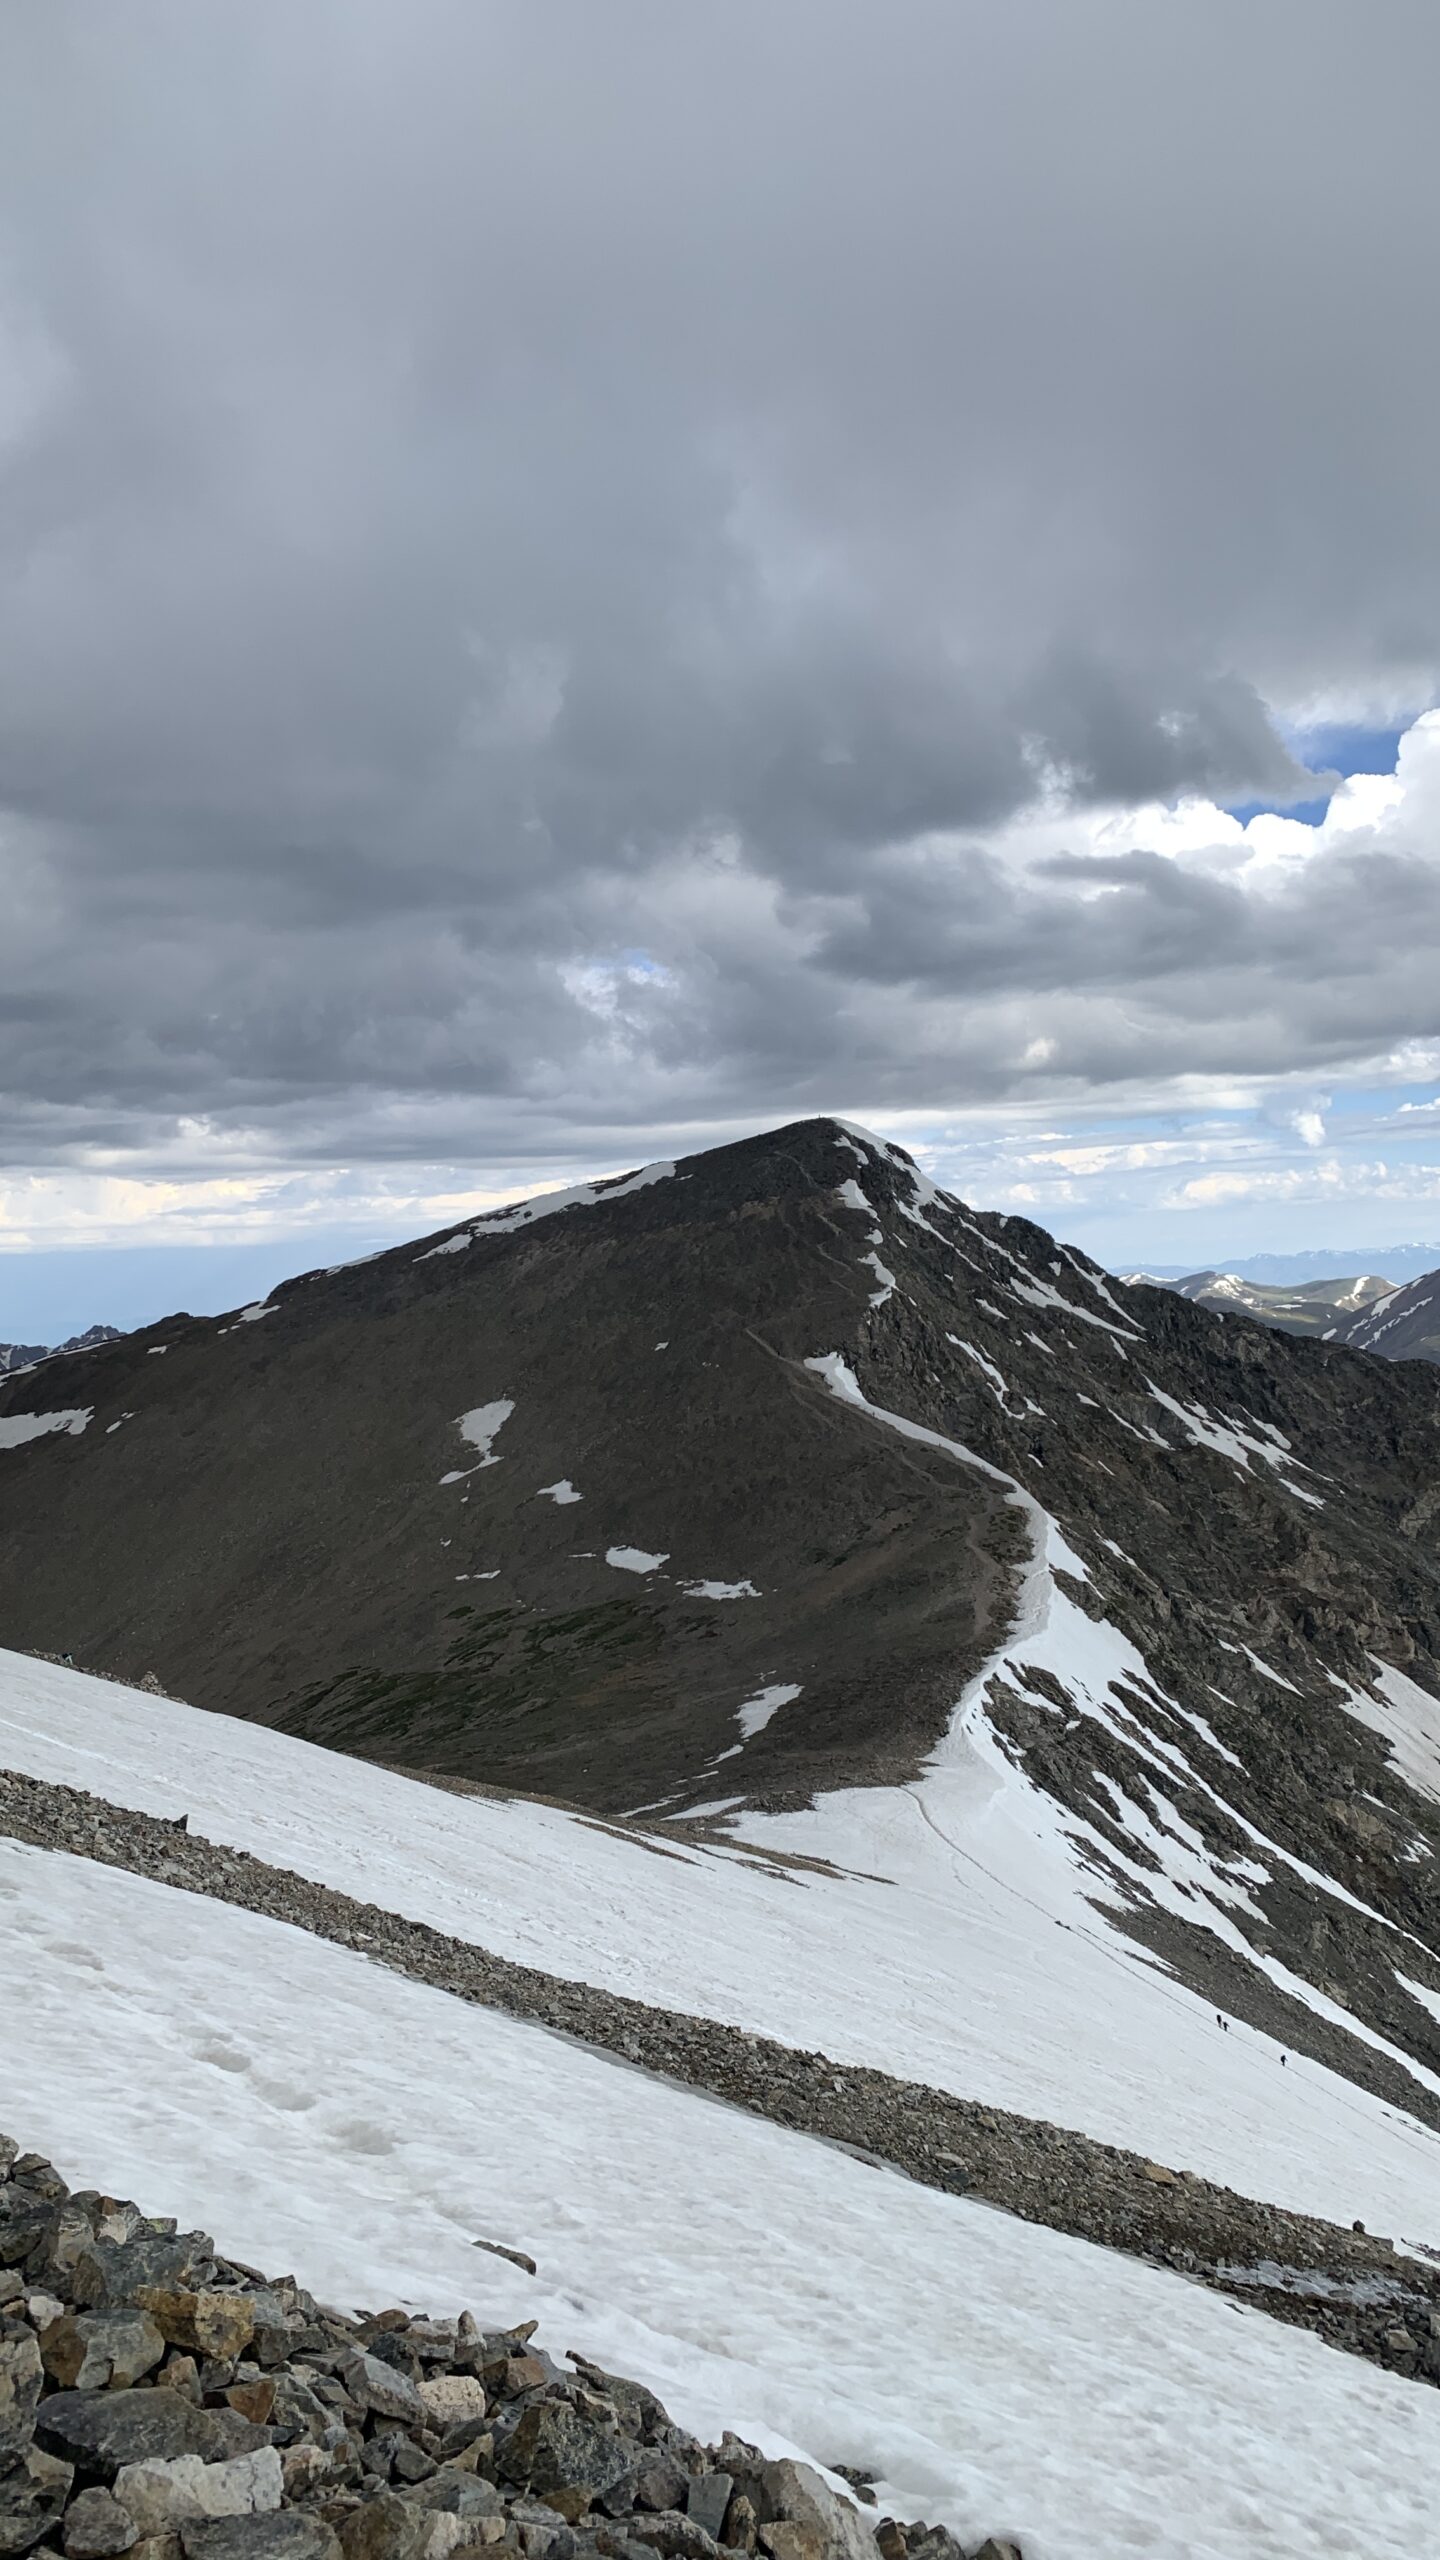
522, 529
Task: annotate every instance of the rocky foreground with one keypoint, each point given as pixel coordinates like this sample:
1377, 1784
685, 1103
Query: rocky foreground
158, 2400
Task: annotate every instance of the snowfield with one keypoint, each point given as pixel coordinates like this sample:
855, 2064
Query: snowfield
314, 2110
957, 1946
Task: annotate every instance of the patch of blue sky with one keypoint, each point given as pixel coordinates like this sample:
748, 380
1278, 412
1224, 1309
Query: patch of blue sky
1327, 748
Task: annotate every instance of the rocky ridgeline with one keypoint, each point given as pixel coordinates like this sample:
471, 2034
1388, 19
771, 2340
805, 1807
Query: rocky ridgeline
160, 2401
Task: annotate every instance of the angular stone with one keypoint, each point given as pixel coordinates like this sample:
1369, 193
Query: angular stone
100, 2350
741, 2531
260, 2537
254, 2400
707, 2499
677, 2537
204, 2324
159, 2496
657, 2484
409, 2463
26, 2222
97, 2527
21, 2375
109, 2273
12, 2286
552, 2448
384, 2528
376, 2385
993, 2550
32, 2493
449, 2492
305, 2467
103, 2430
785, 2540
42, 2308
791, 2493
270, 2344
450, 2398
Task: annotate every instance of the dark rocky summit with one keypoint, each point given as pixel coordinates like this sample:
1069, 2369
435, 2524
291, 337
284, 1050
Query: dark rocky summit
159, 2401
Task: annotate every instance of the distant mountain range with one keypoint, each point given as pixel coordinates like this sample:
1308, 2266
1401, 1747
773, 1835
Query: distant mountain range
23, 1355
1400, 1262
1321, 1307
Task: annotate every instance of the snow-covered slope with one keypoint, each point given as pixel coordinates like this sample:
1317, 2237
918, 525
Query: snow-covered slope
955, 1943
304, 2103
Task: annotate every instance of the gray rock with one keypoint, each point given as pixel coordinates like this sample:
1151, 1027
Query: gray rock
706, 2499
26, 2222
97, 2527
454, 2493
378, 2386
993, 2550
32, 2494
110, 2273
21, 2375
99, 2350
12, 2286
102, 2431
552, 2451
271, 2342
677, 2537
260, 2537
791, 2493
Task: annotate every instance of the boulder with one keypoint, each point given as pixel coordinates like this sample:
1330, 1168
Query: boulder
102, 2431
376, 2385
32, 2493
259, 2537
450, 2398
559, 2456
21, 2375
790, 2493
707, 2499
97, 2527
110, 2273
383, 2528
100, 2350
159, 2496
204, 2324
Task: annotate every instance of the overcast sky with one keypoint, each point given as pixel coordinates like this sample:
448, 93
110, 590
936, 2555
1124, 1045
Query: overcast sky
581, 578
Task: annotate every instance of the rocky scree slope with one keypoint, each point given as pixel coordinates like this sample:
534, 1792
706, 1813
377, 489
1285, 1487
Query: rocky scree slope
750, 1457
157, 2399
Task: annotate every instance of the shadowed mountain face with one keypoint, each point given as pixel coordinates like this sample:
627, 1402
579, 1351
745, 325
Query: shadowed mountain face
1403, 1325
586, 1499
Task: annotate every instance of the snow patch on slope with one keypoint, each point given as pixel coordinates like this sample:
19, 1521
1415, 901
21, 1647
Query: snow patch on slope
18, 1428
316, 2110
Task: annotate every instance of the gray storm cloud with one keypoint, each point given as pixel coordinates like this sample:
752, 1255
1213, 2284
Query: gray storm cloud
541, 549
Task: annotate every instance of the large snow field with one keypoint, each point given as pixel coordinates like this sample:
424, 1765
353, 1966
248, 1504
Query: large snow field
315, 2111
965, 1954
